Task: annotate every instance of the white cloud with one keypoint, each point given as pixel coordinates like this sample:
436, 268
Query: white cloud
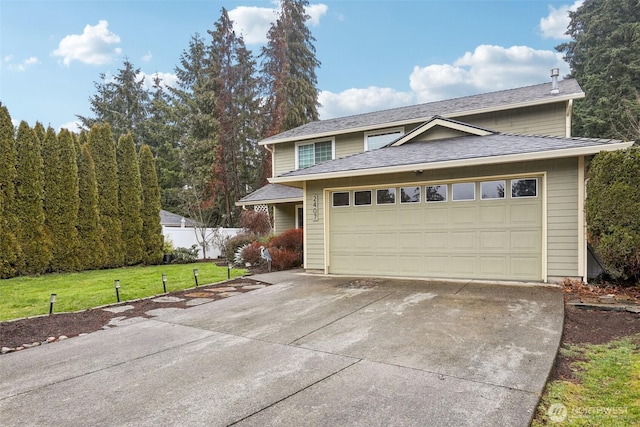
356, 101
316, 11
486, 69
94, 46
167, 79
554, 25
253, 22
21, 66
147, 57
74, 126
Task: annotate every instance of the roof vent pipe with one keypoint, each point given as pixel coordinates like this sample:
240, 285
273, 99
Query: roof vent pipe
555, 72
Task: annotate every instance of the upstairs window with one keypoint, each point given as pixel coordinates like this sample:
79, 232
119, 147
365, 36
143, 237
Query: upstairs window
313, 153
378, 139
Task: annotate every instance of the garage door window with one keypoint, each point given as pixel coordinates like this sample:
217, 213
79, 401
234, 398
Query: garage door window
340, 199
492, 190
524, 187
436, 193
386, 196
410, 195
362, 198
463, 191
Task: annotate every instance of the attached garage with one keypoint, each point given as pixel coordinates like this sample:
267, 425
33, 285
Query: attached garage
486, 228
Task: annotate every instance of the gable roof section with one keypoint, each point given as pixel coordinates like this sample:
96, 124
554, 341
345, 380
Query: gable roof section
493, 101
272, 193
443, 122
170, 219
452, 152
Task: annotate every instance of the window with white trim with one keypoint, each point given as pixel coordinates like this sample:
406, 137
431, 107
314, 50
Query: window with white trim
436, 193
492, 190
409, 194
340, 198
313, 153
378, 139
463, 191
362, 198
524, 187
385, 196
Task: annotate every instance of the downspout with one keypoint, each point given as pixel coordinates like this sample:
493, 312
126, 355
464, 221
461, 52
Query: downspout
568, 114
271, 151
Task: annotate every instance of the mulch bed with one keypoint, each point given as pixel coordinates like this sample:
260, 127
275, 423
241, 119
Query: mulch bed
38, 329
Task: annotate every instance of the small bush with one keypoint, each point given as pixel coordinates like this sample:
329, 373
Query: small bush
251, 253
185, 255
290, 240
284, 259
232, 244
255, 222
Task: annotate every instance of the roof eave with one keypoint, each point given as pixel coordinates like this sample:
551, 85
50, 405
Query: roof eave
511, 158
559, 98
268, 201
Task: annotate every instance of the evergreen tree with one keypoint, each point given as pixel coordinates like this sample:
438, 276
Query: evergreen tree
61, 199
150, 212
35, 243
9, 246
129, 194
288, 68
91, 252
40, 133
165, 130
237, 105
194, 99
122, 101
103, 152
604, 57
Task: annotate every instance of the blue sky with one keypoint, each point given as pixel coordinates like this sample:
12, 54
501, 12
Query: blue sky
375, 54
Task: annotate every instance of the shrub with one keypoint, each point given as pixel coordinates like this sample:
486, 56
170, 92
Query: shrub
185, 255
251, 253
612, 207
255, 222
285, 259
232, 244
290, 240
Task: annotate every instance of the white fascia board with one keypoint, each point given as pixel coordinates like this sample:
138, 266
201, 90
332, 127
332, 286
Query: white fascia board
503, 107
269, 201
511, 158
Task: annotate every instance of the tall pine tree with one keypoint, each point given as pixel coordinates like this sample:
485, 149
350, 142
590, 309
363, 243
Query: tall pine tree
9, 247
152, 238
237, 106
103, 152
604, 57
289, 70
35, 242
91, 252
129, 193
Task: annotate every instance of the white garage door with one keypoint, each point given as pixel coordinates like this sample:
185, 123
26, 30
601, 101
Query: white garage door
482, 229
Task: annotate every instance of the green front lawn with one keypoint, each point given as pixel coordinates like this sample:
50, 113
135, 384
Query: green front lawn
29, 296
607, 392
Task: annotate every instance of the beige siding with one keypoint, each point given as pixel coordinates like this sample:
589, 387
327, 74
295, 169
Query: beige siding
349, 144
562, 218
538, 120
561, 192
440, 132
284, 217
284, 157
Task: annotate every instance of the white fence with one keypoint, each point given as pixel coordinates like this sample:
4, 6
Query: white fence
185, 237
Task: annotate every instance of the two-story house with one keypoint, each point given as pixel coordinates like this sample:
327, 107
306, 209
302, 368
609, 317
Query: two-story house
490, 186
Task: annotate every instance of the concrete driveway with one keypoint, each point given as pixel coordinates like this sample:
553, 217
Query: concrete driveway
308, 351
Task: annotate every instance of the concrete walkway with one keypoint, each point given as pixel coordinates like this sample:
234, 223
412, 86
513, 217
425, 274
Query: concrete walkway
308, 351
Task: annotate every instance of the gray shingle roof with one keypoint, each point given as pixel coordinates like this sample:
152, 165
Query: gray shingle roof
170, 219
271, 193
569, 89
448, 149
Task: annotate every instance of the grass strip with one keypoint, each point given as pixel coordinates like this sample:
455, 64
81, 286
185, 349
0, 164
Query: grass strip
607, 390
29, 296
